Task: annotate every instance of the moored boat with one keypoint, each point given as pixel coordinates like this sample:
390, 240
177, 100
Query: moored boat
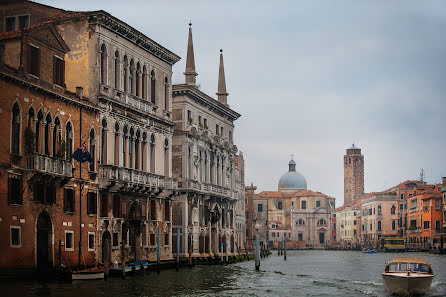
85, 274
407, 275
369, 251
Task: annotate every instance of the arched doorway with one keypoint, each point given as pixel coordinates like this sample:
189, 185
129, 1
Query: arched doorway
44, 242
106, 247
135, 231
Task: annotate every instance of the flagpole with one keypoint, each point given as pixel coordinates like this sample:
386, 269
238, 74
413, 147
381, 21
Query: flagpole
80, 192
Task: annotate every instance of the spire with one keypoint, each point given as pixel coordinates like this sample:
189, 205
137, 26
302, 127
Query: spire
221, 93
190, 60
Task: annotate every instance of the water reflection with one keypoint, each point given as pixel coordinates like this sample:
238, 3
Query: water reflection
305, 273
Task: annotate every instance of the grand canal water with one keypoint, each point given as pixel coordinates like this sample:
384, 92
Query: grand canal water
305, 273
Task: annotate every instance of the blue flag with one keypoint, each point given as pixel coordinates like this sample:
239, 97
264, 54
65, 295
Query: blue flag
82, 154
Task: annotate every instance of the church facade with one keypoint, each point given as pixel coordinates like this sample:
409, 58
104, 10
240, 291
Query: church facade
300, 215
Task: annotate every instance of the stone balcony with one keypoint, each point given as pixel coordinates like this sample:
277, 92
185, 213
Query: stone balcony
49, 165
134, 180
210, 189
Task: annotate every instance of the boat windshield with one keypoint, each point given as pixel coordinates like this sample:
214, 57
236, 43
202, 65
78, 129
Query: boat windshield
415, 267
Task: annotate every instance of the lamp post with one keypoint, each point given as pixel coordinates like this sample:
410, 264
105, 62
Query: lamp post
257, 255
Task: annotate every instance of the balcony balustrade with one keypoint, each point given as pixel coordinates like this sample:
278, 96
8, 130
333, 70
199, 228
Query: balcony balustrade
49, 165
134, 177
211, 189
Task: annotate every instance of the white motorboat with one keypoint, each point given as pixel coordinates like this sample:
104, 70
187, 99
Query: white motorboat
407, 276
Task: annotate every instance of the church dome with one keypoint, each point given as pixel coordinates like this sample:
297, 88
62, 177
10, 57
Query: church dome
292, 181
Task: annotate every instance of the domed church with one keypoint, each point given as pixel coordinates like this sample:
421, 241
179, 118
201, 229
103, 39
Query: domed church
302, 216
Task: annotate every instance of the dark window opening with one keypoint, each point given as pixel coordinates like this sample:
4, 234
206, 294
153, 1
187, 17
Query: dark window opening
15, 137
68, 240
58, 72
166, 239
15, 236
33, 60
15, 194
115, 239
104, 205
279, 205
166, 210
91, 241
45, 193
10, 24
304, 204
69, 200
91, 203
152, 209
117, 206
259, 207
152, 239
23, 21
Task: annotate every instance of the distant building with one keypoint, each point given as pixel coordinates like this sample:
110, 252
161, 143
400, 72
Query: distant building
304, 216
442, 189
353, 175
249, 213
379, 218
424, 217
260, 216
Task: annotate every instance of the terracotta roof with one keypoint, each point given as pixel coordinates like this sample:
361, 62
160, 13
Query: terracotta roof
403, 184
52, 19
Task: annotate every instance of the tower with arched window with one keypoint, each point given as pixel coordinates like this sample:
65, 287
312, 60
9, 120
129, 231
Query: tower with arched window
353, 175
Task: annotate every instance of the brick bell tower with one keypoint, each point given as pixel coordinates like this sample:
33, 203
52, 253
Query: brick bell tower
353, 175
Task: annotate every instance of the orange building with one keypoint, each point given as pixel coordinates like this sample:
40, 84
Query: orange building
424, 215
42, 219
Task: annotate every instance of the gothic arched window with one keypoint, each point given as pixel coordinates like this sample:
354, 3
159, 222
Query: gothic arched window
132, 77
103, 64
57, 138
125, 71
137, 79
15, 131
47, 130
117, 70
69, 141
92, 149
152, 87
104, 141
144, 82
166, 94
38, 144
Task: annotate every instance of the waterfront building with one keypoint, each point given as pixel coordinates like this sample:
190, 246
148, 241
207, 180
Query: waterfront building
424, 217
48, 205
204, 156
347, 226
442, 189
260, 216
127, 77
240, 219
249, 211
378, 218
304, 215
404, 191
353, 175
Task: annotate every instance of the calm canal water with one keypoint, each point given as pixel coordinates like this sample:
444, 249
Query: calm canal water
305, 273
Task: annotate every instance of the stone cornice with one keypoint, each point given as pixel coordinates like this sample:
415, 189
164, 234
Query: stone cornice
47, 92
200, 97
119, 27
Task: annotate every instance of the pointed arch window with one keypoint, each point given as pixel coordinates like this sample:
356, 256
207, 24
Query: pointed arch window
166, 94
47, 129
137, 142
125, 70
39, 122
138, 80
116, 157
144, 82
103, 64
124, 150
92, 150
152, 153
143, 152
15, 131
152, 87
57, 138
132, 132
131, 77
104, 142
166, 157
29, 132
69, 141
117, 70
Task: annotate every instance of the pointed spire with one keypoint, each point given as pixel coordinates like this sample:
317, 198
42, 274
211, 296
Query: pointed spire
221, 93
190, 60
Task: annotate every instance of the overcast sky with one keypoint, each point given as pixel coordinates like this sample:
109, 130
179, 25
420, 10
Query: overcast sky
311, 77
